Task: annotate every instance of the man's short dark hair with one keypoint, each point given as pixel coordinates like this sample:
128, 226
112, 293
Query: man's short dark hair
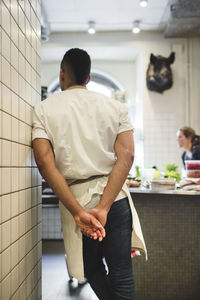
76, 62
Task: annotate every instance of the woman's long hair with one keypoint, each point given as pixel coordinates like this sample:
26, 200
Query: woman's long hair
190, 133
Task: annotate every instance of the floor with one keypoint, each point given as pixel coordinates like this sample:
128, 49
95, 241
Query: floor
56, 284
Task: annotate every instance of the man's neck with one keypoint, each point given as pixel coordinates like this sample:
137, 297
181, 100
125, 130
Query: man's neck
76, 87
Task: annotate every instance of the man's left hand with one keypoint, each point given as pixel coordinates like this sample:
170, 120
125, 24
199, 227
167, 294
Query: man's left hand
89, 225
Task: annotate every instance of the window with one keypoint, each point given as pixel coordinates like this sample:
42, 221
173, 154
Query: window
100, 88
100, 82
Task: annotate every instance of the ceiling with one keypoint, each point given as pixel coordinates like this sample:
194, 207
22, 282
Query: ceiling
67, 16
65, 24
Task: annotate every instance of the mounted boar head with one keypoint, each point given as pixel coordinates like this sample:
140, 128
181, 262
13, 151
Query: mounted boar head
159, 73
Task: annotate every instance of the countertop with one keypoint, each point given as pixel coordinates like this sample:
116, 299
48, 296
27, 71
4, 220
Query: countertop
170, 192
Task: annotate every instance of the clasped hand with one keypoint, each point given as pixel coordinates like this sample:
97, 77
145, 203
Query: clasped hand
92, 222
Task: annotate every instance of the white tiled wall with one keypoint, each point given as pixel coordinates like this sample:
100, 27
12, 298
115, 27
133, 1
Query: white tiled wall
160, 142
20, 183
160, 115
51, 222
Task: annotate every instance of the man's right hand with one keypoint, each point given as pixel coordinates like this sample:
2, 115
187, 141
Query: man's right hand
100, 214
89, 225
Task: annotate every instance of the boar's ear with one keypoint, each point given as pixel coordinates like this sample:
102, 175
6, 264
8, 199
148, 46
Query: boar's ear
152, 58
171, 58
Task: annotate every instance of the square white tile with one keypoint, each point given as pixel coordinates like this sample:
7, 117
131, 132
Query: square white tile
5, 18
14, 204
14, 81
15, 137
14, 279
6, 99
5, 285
14, 56
5, 208
14, 254
14, 229
5, 262
6, 180
14, 27
6, 72
14, 179
6, 45
5, 235
6, 153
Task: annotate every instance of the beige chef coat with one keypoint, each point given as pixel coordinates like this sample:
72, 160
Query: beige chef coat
82, 126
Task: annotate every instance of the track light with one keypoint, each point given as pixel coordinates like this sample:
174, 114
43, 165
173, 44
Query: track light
136, 27
143, 3
91, 27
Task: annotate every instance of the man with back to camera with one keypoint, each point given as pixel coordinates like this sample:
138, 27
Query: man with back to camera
83, 146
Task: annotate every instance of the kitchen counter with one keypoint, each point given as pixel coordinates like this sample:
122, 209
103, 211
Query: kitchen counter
171, 229
169, 192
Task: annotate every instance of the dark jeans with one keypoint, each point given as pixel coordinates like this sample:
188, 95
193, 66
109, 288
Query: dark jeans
118, 284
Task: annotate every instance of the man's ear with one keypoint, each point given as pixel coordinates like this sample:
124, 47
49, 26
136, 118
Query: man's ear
61, 74
88, 80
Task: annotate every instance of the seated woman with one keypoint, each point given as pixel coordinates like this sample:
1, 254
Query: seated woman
190, 141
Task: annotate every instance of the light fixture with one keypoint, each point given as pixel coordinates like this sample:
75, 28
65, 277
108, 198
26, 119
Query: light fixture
143, 3
136, 27
91, 27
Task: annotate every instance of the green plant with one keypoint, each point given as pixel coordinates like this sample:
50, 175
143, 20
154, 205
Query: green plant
171, 172
171, 167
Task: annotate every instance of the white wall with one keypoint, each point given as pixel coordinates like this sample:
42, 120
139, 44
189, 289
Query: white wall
20, 183
158, 116
163, 113
122, 71
49, 72
194, 86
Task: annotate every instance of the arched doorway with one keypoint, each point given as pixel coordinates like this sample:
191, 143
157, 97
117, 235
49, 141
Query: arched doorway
100, 82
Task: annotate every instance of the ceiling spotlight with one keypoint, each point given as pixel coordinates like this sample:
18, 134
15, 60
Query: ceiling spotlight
136, 27
143, 3
91, 27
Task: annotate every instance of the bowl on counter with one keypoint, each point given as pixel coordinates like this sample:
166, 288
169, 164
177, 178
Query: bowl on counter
192, 168
161, 184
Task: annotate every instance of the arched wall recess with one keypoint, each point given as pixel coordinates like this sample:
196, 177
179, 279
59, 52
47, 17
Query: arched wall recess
97, 77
